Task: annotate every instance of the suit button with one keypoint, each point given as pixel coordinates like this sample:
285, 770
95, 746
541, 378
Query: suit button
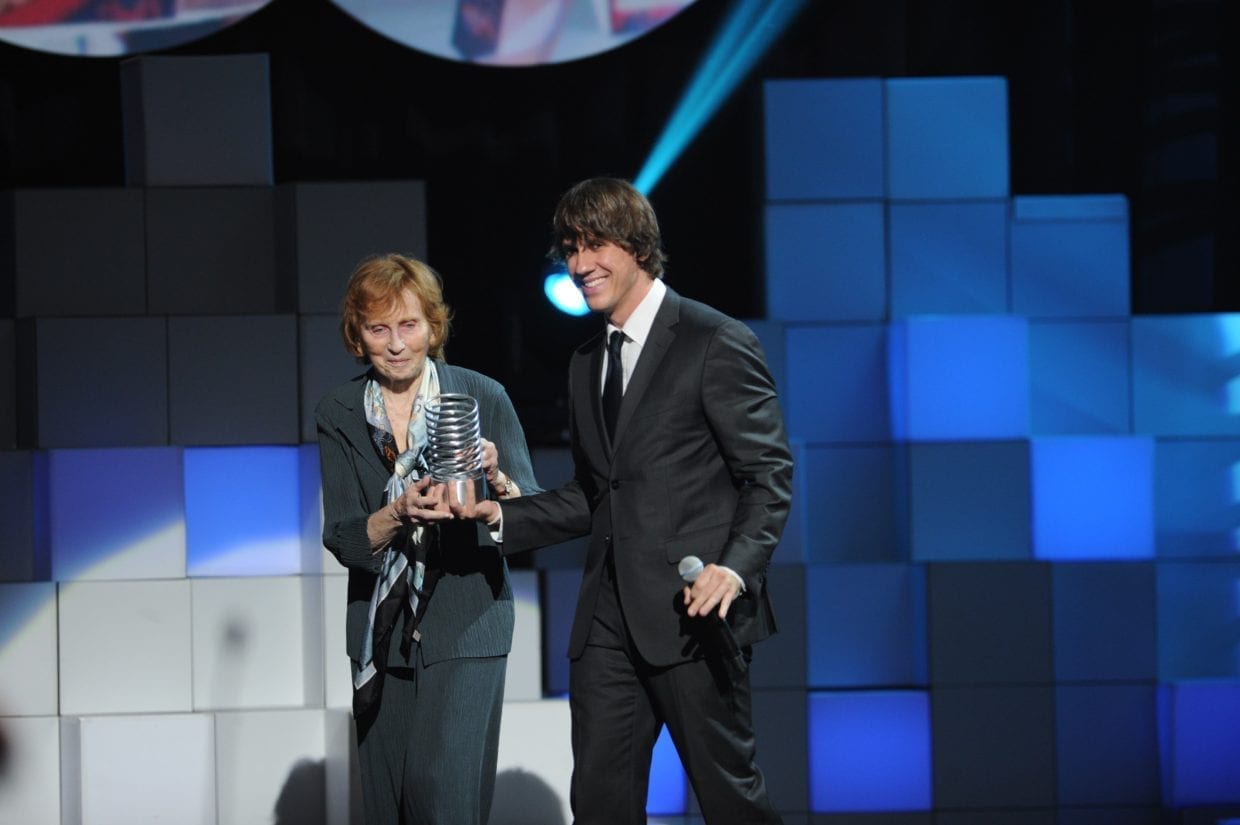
615, 484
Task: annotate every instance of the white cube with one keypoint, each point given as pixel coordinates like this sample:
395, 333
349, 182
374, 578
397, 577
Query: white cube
523, 682
535, 763
124, 647
30, 792
251, 641
270, 766
337, 672
133, 770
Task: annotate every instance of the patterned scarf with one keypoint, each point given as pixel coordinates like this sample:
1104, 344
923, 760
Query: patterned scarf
402, 576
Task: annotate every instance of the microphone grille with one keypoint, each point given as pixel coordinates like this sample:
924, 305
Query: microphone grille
689, 568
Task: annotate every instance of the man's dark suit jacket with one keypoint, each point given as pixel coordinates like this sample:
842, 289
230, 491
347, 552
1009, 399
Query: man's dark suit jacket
700, 466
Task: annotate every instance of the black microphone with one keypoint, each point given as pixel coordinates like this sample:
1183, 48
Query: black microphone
689, 568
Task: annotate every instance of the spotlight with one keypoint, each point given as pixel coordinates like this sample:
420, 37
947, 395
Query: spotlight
563, 293
747, 33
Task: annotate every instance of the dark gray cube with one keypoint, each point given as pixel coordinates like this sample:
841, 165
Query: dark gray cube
990, 623
21, 559
779, 721
8, 384
197, 120
212, 252
325, 229
780, 661
233, 380
994, 748
79, 252
99, 382
8, 255
325, 364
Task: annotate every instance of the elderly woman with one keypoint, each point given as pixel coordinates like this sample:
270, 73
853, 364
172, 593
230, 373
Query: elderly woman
430, 611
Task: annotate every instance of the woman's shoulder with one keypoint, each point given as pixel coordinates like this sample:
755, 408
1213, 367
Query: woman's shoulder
347, 395
463, 379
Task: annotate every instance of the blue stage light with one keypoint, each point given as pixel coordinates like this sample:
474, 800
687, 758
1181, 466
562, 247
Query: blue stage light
563, 293
752, 26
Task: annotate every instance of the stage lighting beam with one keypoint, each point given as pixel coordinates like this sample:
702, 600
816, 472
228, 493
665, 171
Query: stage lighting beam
747, 33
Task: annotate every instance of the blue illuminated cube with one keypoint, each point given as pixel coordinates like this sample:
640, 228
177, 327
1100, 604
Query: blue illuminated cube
1093, 497
1070, 256
969, 501
869, 751
883, 607
1186, 375
242, 511
824, 138
1200, 748
1104, 622
1079, 376
837, 383
1198, 612
852, 501
947, 138
1196, 495
1107, 744
116, 514
826, 262
959, 378
949, 258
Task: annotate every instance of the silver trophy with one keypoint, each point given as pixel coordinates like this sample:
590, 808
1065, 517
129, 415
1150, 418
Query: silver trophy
454, 446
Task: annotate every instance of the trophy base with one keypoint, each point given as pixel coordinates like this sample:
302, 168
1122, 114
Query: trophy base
465, 490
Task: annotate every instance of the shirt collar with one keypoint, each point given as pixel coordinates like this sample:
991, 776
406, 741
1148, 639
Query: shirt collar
637, 327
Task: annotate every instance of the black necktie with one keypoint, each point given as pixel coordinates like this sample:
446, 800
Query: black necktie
613, 384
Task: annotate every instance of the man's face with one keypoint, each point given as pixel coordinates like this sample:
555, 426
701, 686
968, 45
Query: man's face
609, 278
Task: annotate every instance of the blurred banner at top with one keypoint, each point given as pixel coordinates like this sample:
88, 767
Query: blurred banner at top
115, 27
512, 32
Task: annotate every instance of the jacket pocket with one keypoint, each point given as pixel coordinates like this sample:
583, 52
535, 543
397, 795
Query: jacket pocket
705, 543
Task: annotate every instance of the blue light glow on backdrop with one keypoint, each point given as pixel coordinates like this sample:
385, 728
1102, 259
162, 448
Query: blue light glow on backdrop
242, 511
116, 513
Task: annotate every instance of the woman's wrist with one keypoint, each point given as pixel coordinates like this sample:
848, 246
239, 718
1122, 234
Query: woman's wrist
502, 484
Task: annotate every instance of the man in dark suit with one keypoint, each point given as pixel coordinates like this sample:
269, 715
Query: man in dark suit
679, 450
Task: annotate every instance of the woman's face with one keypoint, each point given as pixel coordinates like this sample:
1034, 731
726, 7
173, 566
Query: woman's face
397, 342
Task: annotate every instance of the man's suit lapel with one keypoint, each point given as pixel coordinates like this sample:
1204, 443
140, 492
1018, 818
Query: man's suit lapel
653, 351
